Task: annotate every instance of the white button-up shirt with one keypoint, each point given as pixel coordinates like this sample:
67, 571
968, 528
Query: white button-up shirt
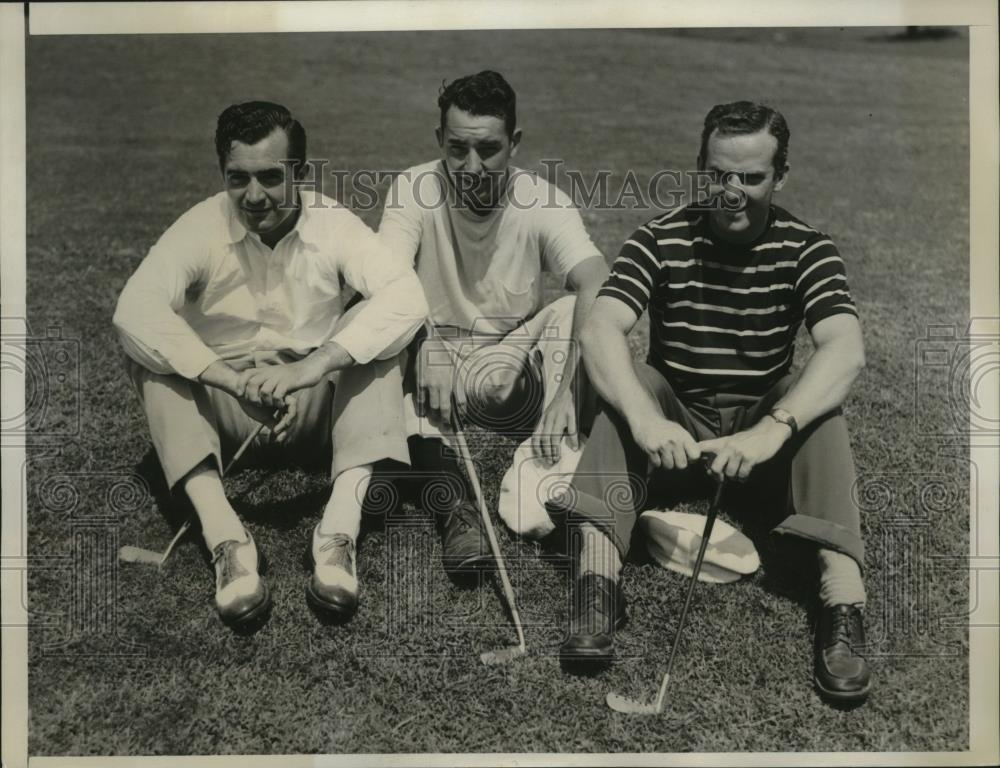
211, 290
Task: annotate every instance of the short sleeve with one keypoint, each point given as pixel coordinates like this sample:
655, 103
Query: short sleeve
635, 272
821, 282
563, 236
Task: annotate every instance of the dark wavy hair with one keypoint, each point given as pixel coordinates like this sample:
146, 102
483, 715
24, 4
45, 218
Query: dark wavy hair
743, 117
252, 121
485, 93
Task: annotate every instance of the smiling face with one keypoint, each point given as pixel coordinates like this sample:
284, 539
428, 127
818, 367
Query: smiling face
744, 173
477, 151
259, 184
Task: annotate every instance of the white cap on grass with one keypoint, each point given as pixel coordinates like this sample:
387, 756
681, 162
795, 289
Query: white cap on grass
673, 540
528, 484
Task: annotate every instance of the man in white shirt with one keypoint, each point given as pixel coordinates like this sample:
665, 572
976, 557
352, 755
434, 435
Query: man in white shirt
480, 232
237, 316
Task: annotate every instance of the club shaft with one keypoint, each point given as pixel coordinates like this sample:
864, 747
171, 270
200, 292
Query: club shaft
713, 511
508, 590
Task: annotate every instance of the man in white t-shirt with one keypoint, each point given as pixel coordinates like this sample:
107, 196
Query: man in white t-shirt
480, 233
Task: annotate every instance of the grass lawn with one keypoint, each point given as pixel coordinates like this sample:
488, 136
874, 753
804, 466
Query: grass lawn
124, 660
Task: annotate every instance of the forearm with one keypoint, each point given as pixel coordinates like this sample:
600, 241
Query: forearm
609, 365
327, 358
383, 325
824, 383
221, 376
581, 310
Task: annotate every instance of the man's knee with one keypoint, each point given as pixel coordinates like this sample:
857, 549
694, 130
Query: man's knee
493, 385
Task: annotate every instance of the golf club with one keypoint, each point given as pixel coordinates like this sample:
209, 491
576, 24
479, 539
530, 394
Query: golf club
132, 554
621, 703
501, 655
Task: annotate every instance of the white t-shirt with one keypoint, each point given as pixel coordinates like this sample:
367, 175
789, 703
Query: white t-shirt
482, 273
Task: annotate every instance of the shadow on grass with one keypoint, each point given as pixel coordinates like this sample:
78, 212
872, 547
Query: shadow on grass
912, 34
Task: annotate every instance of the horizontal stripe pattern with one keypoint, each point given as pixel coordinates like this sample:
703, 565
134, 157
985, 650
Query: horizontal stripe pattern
724, 319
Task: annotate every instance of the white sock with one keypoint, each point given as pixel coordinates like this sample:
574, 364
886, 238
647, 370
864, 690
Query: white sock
840, 579
343, 510
598, 554
219, 521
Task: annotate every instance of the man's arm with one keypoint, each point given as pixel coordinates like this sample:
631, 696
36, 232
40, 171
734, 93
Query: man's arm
609, 364
379, 329
838, 358
146, 316
585, 279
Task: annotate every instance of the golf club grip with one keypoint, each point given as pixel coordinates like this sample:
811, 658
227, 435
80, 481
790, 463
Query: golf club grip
713, 511
470, 470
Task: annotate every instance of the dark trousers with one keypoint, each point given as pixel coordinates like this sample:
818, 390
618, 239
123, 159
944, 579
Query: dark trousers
806, 488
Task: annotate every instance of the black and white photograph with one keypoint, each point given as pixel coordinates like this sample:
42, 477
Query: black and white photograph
476, 383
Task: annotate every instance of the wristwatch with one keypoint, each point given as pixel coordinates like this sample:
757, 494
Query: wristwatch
782, 416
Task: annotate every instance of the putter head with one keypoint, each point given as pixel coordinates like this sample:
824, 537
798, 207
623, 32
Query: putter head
130, 554
502, 655
630, 706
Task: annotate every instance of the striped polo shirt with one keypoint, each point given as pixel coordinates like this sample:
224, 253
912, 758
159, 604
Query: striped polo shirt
723, 318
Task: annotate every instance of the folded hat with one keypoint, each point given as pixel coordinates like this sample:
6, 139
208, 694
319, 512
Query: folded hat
673, 540
528, 484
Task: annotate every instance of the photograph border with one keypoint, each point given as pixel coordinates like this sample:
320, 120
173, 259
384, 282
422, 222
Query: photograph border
17, 21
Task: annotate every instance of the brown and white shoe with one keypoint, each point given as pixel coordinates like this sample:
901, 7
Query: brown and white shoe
333, 587
241, 594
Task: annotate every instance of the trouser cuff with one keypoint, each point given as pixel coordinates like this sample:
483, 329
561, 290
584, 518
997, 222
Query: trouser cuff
825, 533
580, 507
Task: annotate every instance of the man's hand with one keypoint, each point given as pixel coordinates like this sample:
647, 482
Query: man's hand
269, 385
737, 455
558, 419
438, 386
667, 443
277, 419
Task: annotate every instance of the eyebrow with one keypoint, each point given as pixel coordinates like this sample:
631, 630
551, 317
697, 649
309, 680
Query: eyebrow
742, 173
478, 142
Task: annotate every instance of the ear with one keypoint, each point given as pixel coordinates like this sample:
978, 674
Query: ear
781, 177
439, 136
515, 140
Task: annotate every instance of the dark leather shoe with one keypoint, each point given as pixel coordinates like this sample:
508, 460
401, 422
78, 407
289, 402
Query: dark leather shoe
597, 609
841, 672
466, 547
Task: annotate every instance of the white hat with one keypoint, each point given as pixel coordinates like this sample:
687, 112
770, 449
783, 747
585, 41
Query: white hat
528, 484
673, 540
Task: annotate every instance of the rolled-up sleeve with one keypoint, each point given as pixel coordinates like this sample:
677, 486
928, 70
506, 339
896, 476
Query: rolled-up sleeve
396, 306
146, 318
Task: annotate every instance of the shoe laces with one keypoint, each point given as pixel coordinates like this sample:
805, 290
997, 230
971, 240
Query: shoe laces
341, 549
840, 629
231, 568
463, 517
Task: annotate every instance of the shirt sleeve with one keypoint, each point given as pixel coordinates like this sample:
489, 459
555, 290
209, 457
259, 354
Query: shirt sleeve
564, 238
402, 220
635, 273
821, 282
146, 317
396, 305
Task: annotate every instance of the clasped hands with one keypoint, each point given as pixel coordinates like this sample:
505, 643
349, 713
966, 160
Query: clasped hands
267, 393
733, 457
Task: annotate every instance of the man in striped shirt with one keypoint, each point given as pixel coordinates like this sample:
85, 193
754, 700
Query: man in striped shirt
727, 285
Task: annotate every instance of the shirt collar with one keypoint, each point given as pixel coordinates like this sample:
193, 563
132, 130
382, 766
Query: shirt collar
307, 227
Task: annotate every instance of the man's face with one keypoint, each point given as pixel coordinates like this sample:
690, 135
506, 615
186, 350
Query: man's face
744, 174
476, 150
258, 183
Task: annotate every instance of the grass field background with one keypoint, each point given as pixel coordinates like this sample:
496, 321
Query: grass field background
120, 144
